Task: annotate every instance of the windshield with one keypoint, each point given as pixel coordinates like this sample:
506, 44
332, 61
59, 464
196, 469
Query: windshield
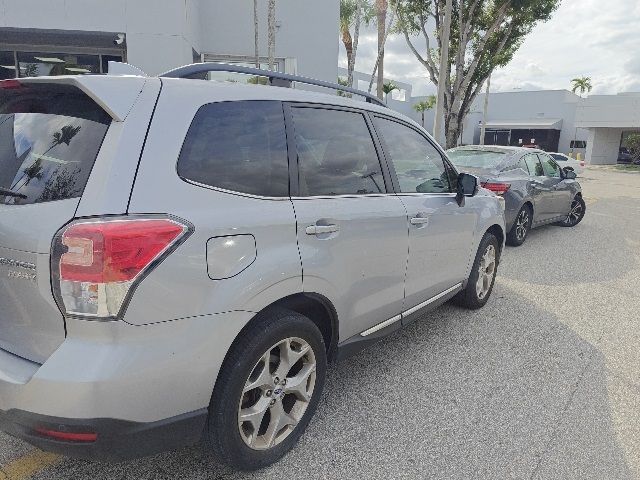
476, 158
50, 136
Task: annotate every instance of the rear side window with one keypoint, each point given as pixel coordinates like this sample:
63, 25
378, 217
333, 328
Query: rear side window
238, 146
535, 167
336, 155
418, 164
50, 136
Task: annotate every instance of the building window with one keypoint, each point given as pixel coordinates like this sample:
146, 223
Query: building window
578, 144
15, 64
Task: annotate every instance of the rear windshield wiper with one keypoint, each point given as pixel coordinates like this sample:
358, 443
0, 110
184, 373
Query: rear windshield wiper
11, 193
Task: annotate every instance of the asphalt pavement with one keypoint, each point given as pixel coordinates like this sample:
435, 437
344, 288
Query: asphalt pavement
544, 382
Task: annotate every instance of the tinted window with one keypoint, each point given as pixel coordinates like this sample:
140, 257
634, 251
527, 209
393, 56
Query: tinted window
523, 165
238, 146
50, 136
551, 168
418, 165
535, 168
559, 158
475, 158
336, 155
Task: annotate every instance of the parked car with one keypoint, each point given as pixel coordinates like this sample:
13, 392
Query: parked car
536, 190
625, 157
153, 238
566, 161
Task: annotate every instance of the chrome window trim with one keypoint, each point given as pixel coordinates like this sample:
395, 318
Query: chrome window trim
232, 192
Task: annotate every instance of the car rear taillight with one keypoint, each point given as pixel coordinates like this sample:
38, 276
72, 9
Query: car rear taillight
582, 163
97, 263
496, 187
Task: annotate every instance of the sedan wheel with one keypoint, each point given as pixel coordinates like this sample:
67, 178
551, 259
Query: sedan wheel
522, 225
518, 233
486, 272
576, 213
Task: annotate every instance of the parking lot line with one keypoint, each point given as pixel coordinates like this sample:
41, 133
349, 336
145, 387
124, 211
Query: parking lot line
24, 467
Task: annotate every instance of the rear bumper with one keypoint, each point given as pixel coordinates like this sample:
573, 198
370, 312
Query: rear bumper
141, 389
116, 440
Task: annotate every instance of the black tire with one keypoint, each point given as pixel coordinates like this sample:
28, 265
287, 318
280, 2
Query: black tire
521, 227
576, 213
469, 297
223, 440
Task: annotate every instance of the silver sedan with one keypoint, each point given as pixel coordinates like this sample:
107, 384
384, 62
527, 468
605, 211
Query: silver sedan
537, 191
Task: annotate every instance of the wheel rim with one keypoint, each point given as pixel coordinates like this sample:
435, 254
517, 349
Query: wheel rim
486, 271
277, 393
522, 224
575, 212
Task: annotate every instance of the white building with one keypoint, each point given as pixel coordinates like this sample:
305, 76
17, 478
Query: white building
609, 119
76, 36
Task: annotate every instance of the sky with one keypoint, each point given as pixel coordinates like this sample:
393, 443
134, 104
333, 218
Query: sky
595, 38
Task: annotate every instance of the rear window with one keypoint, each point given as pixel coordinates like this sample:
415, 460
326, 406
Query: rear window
560, 158
239, 146
475, 158
50, 136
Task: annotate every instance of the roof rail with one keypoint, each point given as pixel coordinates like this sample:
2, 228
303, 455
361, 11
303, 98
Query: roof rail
278, 79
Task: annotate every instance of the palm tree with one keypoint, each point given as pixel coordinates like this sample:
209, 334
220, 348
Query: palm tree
424, 106
271, 38
389, 87
255, 32
581, 83
381, 14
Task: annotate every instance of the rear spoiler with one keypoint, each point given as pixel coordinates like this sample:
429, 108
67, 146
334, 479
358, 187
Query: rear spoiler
115, 94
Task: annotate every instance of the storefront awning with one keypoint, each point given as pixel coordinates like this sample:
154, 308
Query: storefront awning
532, 124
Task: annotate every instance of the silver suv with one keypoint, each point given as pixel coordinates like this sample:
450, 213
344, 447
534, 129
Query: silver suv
180, 259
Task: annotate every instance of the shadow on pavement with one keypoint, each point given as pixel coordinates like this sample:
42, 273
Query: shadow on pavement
504, 392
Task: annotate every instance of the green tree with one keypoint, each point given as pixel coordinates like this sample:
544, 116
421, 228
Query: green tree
484, 35
632, 142
581, 83
352, 13
425, 105
389, 87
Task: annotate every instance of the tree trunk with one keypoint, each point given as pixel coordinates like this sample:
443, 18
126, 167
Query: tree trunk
348, 46
271, 26
354, 45
381, 14
255, 32
422, 118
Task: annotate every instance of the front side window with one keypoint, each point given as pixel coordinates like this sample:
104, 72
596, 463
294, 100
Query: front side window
551, 168
418, 164
238, 146
535, 167
50, 136
336, 154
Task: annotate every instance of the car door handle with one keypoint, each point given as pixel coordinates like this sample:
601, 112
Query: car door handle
419, 220
319, 229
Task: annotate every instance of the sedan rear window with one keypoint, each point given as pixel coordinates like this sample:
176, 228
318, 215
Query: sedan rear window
475, 158
50, 136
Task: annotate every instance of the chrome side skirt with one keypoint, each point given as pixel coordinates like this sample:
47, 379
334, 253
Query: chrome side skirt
406, 313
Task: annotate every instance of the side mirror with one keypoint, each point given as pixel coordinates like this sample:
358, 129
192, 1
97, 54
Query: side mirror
467, 186
569, 173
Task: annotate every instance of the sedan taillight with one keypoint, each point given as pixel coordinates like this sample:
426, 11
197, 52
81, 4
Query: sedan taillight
496, 187
97, 263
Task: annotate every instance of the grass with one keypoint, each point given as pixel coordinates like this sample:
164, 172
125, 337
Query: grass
628, 168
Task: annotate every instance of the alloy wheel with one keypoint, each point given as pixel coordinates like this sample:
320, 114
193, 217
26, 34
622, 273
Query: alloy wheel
486, 272
277, 393
522, 224
574, 214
